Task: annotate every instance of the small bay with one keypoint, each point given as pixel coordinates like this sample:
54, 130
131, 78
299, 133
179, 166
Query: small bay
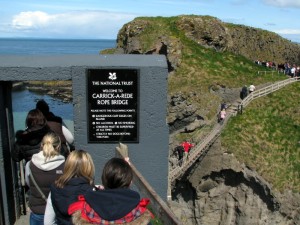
24, 100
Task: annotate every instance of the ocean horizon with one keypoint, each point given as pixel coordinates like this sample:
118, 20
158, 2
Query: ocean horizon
49, 46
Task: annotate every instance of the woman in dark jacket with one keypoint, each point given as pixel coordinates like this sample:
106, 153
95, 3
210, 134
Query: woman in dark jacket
77, 178
28, 142
116, 204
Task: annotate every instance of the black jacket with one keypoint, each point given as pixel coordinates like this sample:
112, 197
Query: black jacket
28, 142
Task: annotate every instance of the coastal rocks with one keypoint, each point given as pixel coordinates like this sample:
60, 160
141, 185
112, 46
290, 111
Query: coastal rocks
253, 43
206, 31
180, 112
210, 32
220, 190
129, 42
62, 91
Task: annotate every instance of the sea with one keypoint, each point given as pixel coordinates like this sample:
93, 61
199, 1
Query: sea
34, 46
25, 100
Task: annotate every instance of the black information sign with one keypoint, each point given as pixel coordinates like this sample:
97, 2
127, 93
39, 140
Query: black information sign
113, 105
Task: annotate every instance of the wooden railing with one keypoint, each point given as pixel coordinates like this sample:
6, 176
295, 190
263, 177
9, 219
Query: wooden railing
266, 90
199, 150
269, 71
158, 206
202, 147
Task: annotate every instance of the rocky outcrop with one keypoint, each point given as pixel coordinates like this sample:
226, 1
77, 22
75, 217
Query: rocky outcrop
221, 190
253, 43
62, 91
135, 37
129, 42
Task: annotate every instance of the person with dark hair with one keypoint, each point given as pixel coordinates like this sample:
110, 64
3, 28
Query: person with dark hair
28, 141
41, 171
116, 203
56, 124
223, 105
77, 178
179, 150
244, 92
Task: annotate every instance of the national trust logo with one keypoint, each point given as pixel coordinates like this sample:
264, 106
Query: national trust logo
112, 76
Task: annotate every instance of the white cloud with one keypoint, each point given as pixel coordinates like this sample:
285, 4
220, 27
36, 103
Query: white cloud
27, 20
288, 31
283, 3
81, 24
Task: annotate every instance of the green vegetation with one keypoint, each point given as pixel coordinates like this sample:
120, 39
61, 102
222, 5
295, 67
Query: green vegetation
267, 137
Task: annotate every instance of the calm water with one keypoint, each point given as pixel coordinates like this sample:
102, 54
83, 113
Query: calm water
24, 100
22, 46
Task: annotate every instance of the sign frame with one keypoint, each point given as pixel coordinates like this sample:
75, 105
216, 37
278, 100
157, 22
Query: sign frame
113, 96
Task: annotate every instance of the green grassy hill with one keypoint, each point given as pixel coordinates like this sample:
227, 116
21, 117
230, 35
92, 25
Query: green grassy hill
205, 55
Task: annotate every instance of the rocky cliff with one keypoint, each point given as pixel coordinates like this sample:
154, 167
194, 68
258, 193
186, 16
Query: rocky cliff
219, 189
253, 43
178, 37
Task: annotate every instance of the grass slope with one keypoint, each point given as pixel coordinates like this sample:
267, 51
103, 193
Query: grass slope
267, 137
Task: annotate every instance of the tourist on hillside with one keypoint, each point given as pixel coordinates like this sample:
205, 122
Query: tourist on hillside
116, 203
293, 71
244, 92
77, 178
40, 172
56, 124
251, 88
187, 147
223, 105
28, 141
222, 115
179, 150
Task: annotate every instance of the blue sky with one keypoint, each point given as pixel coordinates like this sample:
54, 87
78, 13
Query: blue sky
97, 19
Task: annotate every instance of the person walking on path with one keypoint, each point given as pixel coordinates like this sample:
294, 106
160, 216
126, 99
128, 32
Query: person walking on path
43, 169
179, 150
244, 92
222, 115
251, 88
187, 147
116, 203
77, 178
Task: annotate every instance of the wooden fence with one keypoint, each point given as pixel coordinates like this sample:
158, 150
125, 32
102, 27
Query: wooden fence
265, 91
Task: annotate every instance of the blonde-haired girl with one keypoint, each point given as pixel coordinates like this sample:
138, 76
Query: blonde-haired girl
41, 171
77, 178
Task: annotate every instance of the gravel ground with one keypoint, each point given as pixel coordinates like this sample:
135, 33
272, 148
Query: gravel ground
23, 220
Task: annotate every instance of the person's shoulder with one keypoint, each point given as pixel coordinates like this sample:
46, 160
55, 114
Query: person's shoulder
52, 117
